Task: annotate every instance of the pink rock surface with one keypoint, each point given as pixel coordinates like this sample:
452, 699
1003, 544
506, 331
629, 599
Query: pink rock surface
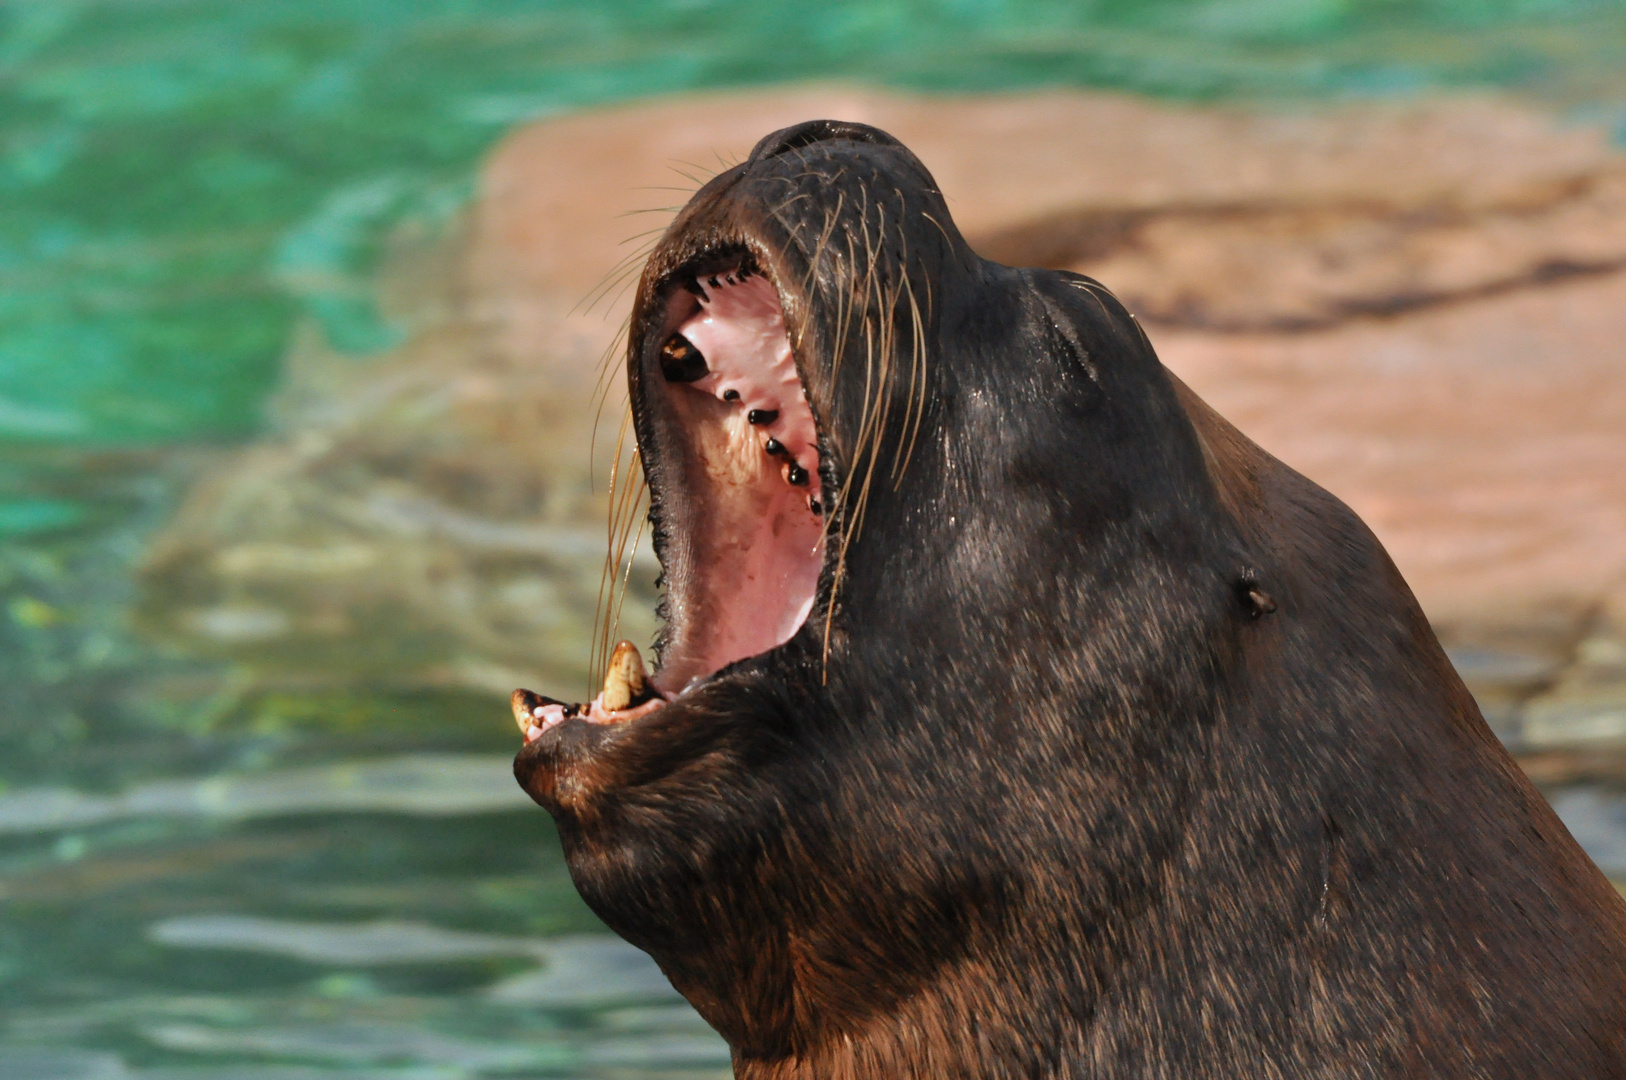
1482, 436
1485, 442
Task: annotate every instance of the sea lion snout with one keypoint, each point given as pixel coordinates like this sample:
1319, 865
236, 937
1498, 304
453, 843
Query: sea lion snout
813, 131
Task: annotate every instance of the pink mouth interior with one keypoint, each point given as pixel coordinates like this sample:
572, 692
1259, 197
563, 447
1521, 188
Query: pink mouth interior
755, 541
745, 540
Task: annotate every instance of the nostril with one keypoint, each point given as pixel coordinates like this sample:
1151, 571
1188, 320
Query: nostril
814, 131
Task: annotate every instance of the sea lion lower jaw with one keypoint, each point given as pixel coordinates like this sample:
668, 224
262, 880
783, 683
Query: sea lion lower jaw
1073, 736
627, 695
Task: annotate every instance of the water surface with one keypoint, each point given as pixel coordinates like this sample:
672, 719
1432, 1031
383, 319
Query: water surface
205, 879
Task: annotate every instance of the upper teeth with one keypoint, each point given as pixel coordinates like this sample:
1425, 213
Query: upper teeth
725, 349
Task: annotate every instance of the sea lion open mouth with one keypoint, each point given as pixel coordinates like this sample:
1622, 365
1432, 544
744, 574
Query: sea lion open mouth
1015, 715
748, 447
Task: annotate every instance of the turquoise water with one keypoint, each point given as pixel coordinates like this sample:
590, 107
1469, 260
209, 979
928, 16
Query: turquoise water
181, 182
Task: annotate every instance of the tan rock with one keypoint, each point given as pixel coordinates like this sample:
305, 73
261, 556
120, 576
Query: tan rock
564, 202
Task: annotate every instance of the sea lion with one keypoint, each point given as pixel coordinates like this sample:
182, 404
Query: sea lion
1015, 715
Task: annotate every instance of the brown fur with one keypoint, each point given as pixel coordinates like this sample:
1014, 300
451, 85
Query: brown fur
1113, 748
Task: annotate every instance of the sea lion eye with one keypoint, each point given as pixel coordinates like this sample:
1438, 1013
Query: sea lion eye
681, 362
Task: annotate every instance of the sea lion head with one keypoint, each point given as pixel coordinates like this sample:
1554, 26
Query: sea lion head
949, 600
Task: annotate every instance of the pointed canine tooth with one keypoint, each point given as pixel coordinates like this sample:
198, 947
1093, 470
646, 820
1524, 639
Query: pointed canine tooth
624, 681
524, 702
532, 710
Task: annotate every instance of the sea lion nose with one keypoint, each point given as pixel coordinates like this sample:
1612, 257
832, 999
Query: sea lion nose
815, 131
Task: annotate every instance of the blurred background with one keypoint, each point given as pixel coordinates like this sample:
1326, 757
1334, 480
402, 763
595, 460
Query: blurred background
301, 310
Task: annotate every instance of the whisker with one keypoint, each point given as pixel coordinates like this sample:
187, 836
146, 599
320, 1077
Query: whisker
629, 269
628, 263
601, 391
606, 576
780, 209
621, 556
915, 406
642, 521
940, 228
817, 257
703, 170
640, 235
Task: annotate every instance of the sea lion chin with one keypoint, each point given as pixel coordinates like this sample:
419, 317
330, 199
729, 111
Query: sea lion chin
1014, 715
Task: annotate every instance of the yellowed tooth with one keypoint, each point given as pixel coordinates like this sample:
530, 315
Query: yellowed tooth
523, 701
624, 681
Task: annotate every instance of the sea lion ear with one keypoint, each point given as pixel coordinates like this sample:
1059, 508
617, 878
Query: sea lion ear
814, 131
1064, 338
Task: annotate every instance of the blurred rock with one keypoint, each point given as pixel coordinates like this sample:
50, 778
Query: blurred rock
1419, 305
421, 518
1281, 265
1501, 681
1586, 706
1596, 818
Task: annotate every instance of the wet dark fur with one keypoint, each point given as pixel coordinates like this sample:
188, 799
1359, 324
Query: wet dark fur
1068, 799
